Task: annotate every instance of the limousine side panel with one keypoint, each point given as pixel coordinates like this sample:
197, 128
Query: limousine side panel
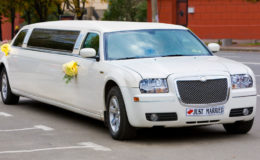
44, 72
4, 63
59, 104
40, 72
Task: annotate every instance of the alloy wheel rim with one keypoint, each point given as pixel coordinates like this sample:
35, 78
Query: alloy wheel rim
114, 114
4, 86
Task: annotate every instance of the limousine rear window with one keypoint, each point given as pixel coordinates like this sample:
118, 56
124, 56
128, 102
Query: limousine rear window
62, 40
19, 39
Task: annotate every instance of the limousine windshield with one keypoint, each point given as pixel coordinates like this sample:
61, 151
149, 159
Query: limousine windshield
152, 43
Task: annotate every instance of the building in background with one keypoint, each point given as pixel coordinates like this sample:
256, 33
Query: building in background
94, 10
212, 19
100, 7
6, 27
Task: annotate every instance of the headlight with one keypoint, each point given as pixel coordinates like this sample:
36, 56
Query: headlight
241, 81
155, 85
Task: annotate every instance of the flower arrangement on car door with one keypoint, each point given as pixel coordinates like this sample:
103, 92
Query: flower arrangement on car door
71, 71
5, 48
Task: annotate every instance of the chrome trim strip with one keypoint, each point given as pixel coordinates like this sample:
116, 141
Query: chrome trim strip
78, 41
245, 96
55, 52
26, 38
49, 51
198, 78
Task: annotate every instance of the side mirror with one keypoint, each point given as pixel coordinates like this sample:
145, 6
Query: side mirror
87, 53
214, 47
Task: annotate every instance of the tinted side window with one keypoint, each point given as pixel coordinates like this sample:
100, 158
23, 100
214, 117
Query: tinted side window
62, 40
92, 41
19, 39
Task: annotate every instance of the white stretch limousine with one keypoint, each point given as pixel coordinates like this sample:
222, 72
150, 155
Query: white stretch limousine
129, 75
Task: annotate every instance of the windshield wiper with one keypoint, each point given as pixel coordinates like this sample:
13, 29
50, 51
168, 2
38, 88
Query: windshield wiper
128, 58
132, 58
173, 55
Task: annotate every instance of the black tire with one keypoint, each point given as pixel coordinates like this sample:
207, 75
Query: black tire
125, 130
241, 127
8, 97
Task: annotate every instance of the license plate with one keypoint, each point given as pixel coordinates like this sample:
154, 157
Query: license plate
208, 111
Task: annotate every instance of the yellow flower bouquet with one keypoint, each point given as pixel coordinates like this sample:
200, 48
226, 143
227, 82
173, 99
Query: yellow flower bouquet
71, 70
5, 48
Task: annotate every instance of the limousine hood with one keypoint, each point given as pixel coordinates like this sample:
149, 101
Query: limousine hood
162, 67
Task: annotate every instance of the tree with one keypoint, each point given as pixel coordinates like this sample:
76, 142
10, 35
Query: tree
1, 15
141, 14
126, 10
30, 10
8, 8
78, 7
43, 8
59, 9
1, 27
26, 10
40, 10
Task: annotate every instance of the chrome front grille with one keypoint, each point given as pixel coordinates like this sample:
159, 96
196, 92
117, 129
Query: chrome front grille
210, 91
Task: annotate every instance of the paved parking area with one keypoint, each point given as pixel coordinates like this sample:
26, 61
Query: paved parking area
36, 131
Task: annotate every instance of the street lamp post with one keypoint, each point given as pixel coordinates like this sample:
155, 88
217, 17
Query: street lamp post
155, 17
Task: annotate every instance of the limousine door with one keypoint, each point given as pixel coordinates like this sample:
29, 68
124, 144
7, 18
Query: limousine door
43, 71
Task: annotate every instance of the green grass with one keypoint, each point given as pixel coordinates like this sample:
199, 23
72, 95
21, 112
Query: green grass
251, 44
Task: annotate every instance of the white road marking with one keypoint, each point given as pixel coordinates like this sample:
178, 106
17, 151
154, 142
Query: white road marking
42, 127
81, 145
96, 147
5, 114
258, 95
257, 75
254, 63
45, 128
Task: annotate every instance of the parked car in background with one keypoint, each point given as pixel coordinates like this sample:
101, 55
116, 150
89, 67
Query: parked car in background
129, 75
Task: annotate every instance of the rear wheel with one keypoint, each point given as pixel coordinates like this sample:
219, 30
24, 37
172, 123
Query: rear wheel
6, 94
240, 127
117, 120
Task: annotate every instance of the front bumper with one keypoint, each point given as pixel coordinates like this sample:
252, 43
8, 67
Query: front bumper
169, 103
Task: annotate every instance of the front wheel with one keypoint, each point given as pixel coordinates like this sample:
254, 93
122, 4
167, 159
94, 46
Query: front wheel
241, 127
117, 120
6, 94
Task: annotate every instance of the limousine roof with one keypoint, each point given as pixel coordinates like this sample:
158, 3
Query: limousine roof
103, 26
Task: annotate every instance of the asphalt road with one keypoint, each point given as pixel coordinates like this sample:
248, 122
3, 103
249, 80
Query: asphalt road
35, 131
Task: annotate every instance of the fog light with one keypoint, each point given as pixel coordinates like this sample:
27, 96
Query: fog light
154, 117
245, 112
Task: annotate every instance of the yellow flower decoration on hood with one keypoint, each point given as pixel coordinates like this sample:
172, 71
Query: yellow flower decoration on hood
6, 49
71, 70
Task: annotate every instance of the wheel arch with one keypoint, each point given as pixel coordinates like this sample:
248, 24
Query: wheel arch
2, 66
109, 84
